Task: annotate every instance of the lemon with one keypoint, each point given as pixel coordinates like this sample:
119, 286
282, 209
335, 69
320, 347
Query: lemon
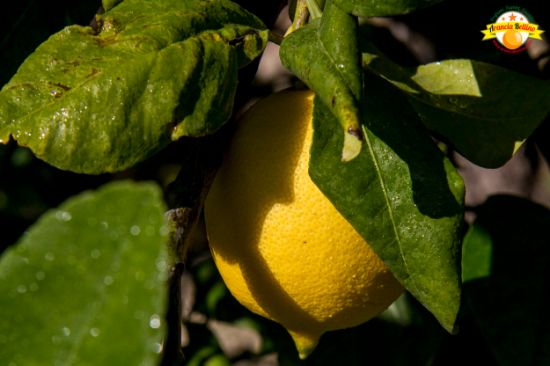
281, 247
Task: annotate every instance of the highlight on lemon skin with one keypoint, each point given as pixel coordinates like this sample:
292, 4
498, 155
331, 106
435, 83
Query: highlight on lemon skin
281, 247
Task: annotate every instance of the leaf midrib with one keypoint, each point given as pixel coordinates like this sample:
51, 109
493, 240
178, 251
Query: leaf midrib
388, 204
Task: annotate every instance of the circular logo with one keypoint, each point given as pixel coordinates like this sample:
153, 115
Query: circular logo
511, 30
512, 38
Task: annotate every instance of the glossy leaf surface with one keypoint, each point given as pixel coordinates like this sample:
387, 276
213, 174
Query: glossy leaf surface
95, 100
401, 194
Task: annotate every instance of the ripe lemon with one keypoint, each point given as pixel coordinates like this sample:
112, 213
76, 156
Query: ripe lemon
281, 247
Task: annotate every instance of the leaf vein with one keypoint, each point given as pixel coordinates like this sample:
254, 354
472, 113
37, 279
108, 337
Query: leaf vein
388, 203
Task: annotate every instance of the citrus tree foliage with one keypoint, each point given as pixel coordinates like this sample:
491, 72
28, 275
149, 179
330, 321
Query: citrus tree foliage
101, 98
106, 97
68, 282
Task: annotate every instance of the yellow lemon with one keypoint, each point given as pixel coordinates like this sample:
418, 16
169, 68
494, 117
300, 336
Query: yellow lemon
281, 247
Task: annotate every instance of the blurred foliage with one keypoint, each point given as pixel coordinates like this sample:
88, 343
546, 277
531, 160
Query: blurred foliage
99, 260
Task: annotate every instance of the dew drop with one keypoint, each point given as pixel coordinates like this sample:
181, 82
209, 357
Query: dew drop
21, 289
63, 216
66, 331
161, 265
158, 348
135, 230
154, 321
108, 280
104, 224
40, 275
94, 332
49, 256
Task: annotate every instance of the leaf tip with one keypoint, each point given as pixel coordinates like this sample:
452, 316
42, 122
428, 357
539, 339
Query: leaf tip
353, 142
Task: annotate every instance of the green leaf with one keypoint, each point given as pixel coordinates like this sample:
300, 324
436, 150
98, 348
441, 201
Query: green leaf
325, 56
485, 111
109, 4
401, 194
86, 284
510, 300
374, 8
477, 253
101, 100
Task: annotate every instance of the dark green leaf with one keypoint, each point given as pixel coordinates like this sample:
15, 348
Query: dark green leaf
510, 301
99, 100
372, 8
400, 193
325, 56
485, 111
86, 284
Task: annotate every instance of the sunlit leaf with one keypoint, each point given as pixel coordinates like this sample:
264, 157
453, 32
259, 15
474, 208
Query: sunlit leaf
483, 110
101, 99
86, 284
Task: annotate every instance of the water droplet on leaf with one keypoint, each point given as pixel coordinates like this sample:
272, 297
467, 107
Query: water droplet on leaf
94, 332
21, 289
135, 230
154, 321
63, 216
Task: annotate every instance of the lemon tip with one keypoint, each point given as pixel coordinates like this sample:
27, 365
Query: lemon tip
305, 343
